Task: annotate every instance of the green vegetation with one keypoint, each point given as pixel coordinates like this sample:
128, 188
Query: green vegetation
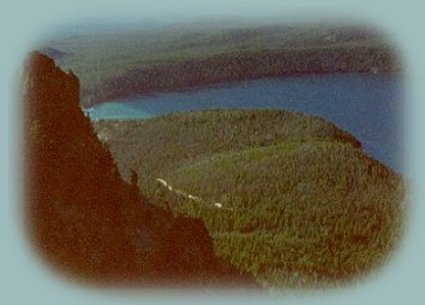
120, 64
286, 197
290, 198
165, 143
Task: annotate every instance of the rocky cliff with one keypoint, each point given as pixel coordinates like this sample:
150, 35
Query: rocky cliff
81, 215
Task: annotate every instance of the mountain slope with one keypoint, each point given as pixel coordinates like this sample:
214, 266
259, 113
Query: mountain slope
311, 211
83, 218
288, 197
164, 143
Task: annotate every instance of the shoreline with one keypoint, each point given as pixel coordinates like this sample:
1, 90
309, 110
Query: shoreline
229, 83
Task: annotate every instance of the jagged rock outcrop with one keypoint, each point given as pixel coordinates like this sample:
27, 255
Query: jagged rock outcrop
79, 212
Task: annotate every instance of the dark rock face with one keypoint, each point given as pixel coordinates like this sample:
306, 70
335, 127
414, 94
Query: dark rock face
79, 212
75, 212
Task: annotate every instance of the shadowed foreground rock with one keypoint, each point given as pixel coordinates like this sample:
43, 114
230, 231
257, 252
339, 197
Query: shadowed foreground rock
80, 214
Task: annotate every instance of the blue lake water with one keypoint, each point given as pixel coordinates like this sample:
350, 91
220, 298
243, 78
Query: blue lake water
369, 106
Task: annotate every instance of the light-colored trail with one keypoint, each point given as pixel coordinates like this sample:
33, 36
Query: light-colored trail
165, 184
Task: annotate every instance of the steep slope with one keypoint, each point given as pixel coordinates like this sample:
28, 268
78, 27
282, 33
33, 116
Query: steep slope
288, 197
83, 218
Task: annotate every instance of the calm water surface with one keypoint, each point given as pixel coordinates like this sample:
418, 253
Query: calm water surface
369, 106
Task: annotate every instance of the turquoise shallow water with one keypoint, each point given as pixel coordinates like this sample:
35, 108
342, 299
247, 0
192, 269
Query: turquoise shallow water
119, 110
369, 106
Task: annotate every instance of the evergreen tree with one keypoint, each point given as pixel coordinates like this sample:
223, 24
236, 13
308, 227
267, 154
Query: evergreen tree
134, 189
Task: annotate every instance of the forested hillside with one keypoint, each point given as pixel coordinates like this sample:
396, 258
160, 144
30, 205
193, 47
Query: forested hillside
287, 197
120, 64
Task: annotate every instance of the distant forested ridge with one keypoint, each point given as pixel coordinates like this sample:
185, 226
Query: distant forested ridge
83, 218
116, 65
239, 66
288, 197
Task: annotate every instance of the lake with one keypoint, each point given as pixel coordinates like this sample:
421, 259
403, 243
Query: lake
369, 106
